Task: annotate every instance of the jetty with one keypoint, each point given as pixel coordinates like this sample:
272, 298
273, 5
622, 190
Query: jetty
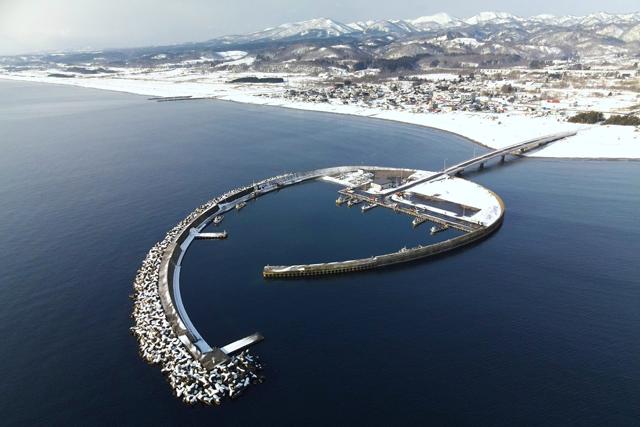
241, 344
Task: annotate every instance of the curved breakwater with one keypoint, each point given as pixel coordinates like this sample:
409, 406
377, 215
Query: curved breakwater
197, 372
380, 261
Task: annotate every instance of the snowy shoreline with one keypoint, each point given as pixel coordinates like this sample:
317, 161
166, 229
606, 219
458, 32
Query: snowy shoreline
593, 142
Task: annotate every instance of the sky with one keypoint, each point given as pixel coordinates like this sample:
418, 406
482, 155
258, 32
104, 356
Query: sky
29, 26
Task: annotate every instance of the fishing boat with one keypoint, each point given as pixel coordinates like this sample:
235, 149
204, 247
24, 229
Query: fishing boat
340, 200
436, 229
217, 220
240, 205
368, 207
353, 202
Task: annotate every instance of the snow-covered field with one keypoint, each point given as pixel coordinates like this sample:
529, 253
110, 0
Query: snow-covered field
463, 192
491, 130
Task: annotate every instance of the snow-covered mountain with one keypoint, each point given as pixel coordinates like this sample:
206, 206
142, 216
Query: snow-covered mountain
313, 28
437, 21
633, 35
492, 18
485, 39
391, 26
606, 24
488, 39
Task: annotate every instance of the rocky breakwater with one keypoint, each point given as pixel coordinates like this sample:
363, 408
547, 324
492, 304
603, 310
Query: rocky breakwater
158, 343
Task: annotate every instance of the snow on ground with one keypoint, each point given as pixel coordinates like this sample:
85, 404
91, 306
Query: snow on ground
436, 76
466, 193
247, 60
491, 130
201, 60
618, 142
232, 55
498, 130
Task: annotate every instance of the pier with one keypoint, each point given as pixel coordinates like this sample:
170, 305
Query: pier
423, 215
241, 344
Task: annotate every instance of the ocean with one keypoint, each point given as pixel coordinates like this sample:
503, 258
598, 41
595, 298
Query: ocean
538, 325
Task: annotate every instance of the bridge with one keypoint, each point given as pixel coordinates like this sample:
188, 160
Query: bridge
515, 149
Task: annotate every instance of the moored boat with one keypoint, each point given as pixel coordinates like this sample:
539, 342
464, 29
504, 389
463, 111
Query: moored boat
436, 229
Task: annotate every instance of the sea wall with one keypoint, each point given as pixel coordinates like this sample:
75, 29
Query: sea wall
385, 260
169, 272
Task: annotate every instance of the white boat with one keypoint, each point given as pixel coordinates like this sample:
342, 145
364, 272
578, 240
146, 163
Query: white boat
240, 205
340, 200
353, 202
368, 207
436, 229
218, 219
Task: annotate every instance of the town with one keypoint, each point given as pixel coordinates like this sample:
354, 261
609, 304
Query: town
556, 90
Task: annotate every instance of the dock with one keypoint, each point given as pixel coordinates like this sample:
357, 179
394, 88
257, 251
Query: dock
242, 343
422, 215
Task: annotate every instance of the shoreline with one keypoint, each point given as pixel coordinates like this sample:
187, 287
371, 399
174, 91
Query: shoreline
491, 131
471, 140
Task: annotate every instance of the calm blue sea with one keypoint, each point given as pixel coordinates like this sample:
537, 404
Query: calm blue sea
538, 325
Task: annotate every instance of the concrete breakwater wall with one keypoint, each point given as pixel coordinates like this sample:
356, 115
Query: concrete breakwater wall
159, 344
197, 372
169, 272
380, 261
